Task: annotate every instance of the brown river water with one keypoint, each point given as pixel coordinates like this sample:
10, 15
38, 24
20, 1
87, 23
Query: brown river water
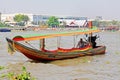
99, 67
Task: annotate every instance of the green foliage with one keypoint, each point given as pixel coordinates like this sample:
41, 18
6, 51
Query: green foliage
114, 22
95, 23
3, 25
20, 18
2, 67
8, 75
23, 76
108, 23
53, 21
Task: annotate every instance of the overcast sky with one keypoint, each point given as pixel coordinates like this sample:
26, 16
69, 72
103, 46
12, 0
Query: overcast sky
108, 9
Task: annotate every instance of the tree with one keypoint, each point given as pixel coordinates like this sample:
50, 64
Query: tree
21, 19
53, 21
3, 24
114, 22
95, 23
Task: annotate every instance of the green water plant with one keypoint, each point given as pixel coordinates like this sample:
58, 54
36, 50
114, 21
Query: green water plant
22, 76
117, 53
2, 67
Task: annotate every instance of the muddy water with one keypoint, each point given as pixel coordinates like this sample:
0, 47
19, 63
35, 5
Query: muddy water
100, 67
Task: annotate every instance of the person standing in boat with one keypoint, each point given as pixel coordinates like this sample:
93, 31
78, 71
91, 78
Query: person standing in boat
92, 40
81, 43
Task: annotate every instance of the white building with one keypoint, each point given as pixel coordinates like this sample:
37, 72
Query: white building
74, 23
7, 17
10, 17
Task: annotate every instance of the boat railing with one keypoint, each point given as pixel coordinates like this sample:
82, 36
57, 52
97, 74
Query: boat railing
87, 47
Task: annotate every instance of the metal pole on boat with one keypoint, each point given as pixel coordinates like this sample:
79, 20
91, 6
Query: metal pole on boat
90, 34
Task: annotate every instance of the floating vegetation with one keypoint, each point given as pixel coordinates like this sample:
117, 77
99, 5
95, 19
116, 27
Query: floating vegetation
22, 76
107, 62
2, 67
86, 59
117, 52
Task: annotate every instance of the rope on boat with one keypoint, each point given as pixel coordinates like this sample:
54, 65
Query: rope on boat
30, 44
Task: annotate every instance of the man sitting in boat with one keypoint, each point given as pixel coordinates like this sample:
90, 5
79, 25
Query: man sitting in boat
81, 43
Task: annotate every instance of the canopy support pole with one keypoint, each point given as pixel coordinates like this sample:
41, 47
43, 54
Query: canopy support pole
42, 44
74, 39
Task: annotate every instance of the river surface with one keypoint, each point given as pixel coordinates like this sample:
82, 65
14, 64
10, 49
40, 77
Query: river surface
99, 67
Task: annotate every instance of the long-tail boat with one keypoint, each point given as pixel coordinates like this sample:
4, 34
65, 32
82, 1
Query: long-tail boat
60, 53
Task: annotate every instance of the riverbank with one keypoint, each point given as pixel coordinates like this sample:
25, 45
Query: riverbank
13, 29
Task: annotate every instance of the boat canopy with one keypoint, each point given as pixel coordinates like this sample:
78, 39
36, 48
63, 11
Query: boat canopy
56, 34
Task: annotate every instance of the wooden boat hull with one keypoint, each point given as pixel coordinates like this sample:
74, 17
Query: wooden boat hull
36, 54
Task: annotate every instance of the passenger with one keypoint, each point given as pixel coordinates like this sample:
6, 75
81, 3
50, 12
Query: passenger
81, 43
92, 40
